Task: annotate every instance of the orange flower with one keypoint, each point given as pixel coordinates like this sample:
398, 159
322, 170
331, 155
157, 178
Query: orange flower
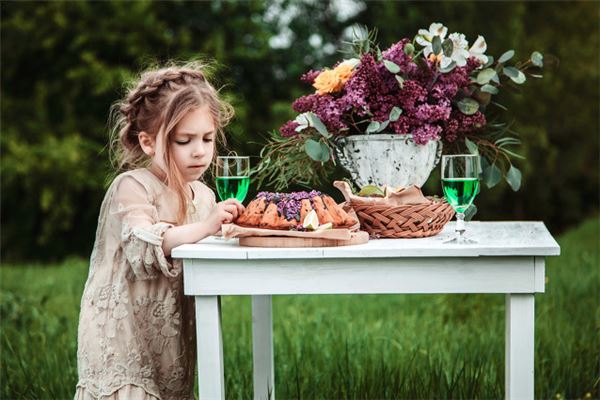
332, 80
344, 72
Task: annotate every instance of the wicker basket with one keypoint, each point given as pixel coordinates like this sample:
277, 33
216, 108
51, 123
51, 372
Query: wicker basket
406, 221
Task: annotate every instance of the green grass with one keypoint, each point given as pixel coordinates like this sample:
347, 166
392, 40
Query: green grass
409, 346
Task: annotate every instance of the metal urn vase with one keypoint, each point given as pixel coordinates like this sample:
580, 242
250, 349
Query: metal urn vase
387, 159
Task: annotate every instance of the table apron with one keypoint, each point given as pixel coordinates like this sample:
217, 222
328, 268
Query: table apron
520, 274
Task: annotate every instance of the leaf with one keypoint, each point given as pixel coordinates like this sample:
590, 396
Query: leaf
468, 106
400, 81
470, 212
324, 152
506, 56
391, 66
313, 149
496, 79
436, 45
371, 190
449, 68
511, 72
373, 127
447, 47
492, 175
489, 89
489, 62
513, 154
484, 76
537, 59
471, 146
395, 114
317, 124
513, 177
520, 78
383, 125
506, 141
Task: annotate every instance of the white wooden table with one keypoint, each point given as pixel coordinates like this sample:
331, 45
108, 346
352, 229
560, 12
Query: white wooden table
509, 258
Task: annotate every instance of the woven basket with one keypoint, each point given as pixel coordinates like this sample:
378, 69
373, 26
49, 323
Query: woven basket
406, 221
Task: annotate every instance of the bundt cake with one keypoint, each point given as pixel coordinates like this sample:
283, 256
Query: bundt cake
288, 210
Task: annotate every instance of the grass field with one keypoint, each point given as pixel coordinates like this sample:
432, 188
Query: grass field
339, 347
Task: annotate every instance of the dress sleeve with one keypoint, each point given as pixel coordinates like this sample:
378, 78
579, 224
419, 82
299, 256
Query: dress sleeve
141, 231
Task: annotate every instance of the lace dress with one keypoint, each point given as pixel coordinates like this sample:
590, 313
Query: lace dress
136, 337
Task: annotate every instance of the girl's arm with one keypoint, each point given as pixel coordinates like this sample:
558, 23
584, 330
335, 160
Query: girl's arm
223, 213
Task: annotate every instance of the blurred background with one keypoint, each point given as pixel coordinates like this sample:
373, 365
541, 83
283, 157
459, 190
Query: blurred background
64, 63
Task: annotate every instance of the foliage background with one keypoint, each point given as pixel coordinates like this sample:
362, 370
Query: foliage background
64, 63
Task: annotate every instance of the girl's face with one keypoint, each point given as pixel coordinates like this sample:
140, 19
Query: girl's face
193, 143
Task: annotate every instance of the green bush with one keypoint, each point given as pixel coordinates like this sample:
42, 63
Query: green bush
64, 63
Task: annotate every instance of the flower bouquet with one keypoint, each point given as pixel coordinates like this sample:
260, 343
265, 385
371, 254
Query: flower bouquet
435, 88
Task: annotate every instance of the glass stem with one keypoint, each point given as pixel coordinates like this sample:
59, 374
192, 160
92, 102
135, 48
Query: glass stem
460, 226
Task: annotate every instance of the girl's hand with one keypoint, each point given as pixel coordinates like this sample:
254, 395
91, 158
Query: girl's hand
224, 212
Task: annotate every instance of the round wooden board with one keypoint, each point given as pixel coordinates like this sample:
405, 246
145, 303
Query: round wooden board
359, 237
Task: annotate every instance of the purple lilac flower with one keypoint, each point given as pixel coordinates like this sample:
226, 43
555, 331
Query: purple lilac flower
426, 132
289, 129
310, 76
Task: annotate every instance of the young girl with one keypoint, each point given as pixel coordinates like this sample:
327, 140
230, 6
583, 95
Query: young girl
136, 336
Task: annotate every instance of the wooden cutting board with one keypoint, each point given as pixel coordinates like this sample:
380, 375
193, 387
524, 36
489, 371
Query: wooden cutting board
359, 237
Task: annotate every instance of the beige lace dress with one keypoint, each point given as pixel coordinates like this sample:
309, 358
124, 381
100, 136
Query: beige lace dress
136, 336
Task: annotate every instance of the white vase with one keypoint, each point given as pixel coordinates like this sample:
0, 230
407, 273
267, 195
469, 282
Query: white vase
387, 159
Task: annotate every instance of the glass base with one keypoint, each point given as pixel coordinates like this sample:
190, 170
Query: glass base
460, 240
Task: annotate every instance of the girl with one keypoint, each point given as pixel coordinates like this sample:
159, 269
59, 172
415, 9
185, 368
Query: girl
136, 335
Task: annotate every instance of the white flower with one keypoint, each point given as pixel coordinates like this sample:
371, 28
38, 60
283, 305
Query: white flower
460, 54
478, 48
353, 62
425, 37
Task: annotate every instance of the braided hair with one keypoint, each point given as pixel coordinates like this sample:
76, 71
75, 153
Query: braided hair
155, 104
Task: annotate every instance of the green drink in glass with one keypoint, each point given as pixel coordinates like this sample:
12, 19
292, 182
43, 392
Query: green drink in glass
233, 187
460, 183
233, 177
460, 192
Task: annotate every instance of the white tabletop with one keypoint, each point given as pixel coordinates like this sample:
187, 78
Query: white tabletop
514, 238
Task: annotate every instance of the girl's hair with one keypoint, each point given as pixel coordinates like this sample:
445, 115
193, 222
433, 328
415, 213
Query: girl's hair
155, 104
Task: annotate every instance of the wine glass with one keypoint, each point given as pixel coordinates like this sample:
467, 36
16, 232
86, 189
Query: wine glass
233, 177
460, 183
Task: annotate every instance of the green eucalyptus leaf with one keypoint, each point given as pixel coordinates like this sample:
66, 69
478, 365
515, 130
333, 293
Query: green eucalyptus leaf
520, 78
395, 114
383, 125
496, 78
324, 152
318, 125
506, 56
373, 127
447, 47
489, 62
489, 89
313, 149
511, 72
436, 45
400, 81
391, 66
513, 177
485, 75
492, 175
468, 106
537, 59
471, 146
470, 212
449, 68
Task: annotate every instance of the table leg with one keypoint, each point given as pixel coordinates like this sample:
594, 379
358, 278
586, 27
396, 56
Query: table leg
519, 367
262, 348
210, 348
